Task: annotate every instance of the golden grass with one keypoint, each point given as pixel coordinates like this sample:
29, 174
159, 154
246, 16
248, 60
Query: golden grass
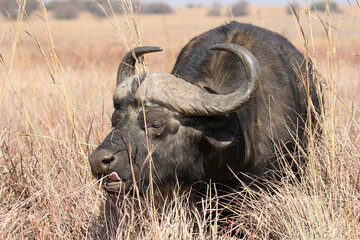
56, 84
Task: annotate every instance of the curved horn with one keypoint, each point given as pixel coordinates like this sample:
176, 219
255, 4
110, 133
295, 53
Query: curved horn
127, 64
244, 94
190, 100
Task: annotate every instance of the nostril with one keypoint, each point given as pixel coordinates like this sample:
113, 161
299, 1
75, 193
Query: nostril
102, 162
108, 159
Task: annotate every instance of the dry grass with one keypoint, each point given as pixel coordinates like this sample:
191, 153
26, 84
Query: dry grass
56, 84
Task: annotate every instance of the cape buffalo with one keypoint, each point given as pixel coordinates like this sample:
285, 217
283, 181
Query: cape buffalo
236, 95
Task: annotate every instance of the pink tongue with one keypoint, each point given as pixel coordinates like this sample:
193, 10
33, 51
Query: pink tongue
114, 177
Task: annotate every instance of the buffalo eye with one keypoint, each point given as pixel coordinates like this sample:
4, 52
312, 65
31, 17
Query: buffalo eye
154, 130
156, 121
115, 118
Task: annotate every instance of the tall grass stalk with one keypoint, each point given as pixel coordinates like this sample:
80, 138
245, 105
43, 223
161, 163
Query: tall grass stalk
9, 79
134, 39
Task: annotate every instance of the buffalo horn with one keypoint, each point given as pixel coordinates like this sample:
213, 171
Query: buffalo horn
127, 64
190, 100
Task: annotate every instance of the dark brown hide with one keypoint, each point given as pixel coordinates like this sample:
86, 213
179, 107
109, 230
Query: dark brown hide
208, 144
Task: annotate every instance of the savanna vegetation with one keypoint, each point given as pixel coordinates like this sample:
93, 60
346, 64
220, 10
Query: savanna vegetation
56, 83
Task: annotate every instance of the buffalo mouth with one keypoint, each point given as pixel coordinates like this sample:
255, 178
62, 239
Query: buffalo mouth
113, 184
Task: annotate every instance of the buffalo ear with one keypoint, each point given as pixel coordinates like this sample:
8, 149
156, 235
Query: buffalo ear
219, 144
222, 131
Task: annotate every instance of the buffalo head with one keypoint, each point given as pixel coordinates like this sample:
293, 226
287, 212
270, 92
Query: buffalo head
168, 123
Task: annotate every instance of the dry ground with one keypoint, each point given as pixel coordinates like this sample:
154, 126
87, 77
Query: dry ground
56, 84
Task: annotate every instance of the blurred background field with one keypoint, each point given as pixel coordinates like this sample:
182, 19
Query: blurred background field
173, 31
89, 41
95, 44
57, 77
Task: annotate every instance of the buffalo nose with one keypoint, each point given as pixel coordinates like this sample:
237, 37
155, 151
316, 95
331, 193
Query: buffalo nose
101, 162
